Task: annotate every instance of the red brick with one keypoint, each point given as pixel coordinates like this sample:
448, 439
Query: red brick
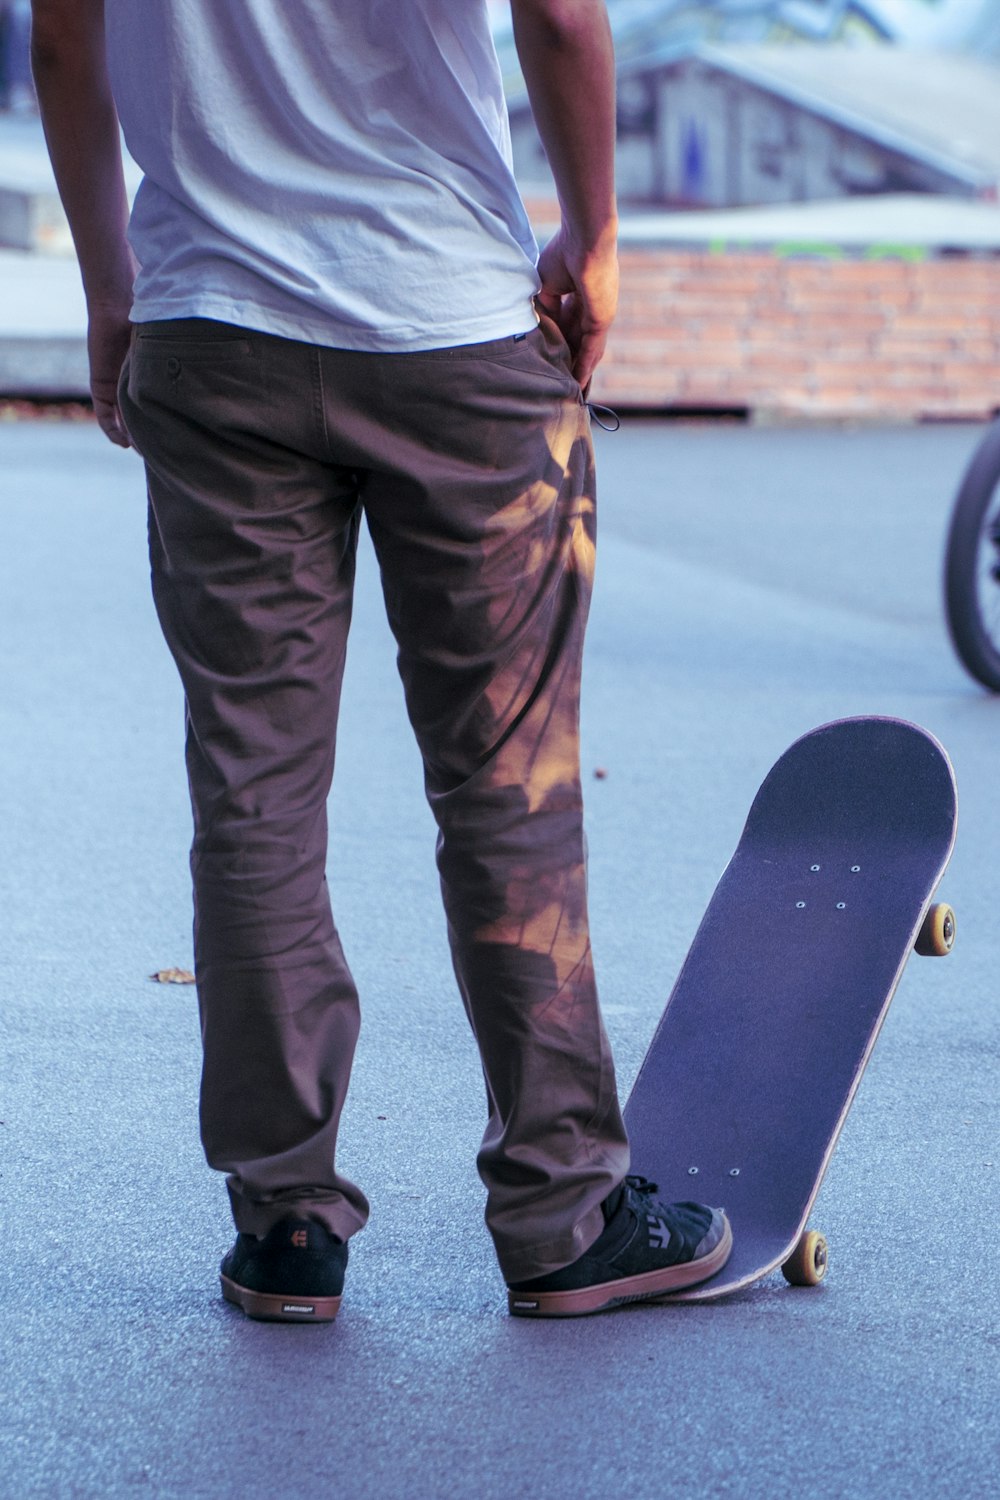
672, 310
778, 360
898, 346
957, 273
846, 371
921, 322
969, 374
722, 287
892, 299
880, 273
852, 324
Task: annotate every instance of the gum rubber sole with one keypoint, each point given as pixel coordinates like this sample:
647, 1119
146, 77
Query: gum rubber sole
270, 1308
608, 1294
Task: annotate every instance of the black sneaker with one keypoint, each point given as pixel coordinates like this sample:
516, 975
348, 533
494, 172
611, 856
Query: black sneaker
645, 1249
294, 1275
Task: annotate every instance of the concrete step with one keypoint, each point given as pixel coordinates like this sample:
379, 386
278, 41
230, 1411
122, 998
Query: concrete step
31, 216
43, 326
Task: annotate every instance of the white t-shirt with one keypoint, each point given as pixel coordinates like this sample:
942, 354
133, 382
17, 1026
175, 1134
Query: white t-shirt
336, 171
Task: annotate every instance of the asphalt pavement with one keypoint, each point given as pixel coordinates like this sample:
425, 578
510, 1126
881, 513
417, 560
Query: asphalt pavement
752, 583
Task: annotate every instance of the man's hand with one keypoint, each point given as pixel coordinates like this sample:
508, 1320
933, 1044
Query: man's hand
580, 293
108, 335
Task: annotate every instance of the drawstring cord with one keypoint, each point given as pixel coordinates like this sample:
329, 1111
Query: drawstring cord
613, 425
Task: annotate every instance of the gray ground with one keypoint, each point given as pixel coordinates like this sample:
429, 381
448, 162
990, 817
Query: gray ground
752, 583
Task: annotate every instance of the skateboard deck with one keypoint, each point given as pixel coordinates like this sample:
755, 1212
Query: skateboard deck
762, 1045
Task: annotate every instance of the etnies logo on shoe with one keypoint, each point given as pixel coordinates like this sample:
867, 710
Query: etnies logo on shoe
300, 1238
659, 1233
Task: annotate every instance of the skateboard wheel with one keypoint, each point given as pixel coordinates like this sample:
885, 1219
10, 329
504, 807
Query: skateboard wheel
936, 937
806, 1266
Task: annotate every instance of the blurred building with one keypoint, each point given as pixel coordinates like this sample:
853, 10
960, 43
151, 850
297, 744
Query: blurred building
642, 25
746, 124
768, 101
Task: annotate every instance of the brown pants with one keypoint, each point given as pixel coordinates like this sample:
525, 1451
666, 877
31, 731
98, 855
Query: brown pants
474, 468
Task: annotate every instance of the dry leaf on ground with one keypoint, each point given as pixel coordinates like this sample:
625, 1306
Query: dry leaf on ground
173, 976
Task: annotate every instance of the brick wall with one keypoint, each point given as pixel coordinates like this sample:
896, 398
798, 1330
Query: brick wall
812, 338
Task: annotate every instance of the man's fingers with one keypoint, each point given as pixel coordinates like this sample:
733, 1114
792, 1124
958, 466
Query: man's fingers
586, 346
579, 292
109, 417
116, 432
550, 302
588, 356
109, 335
112, 426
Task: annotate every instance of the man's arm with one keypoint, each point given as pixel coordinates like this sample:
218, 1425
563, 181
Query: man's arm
81, 128
567, 58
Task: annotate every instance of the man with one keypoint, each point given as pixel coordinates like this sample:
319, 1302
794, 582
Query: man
337, 310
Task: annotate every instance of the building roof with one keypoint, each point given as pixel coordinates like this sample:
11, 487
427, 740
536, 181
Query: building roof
942, 107
950, 25
644, 29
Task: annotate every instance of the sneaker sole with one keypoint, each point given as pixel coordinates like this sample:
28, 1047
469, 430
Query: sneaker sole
268, 1307
608, 1294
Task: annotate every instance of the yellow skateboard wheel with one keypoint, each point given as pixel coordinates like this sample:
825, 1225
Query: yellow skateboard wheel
936, 937
806, 1266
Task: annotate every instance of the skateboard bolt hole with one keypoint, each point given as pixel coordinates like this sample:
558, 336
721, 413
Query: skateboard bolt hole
814, 867
855, 869
841, 905
800, 905
734, 1172
692, 1171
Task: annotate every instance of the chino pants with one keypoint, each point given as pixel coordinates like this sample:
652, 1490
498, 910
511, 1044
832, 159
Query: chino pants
473, 468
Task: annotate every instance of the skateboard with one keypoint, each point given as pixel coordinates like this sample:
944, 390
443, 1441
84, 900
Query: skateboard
756, 1061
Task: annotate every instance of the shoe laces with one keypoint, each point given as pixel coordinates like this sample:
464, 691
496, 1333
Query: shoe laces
642, 1185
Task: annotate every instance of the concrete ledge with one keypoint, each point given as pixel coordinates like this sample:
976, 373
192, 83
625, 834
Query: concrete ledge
43, 327
33, 219
50, 366
915, 226
31, 216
